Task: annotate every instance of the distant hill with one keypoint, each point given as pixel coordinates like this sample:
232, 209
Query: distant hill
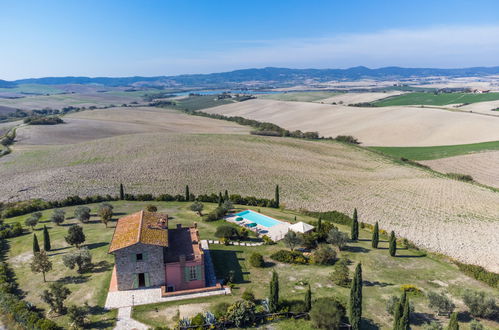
277, 76
7, 84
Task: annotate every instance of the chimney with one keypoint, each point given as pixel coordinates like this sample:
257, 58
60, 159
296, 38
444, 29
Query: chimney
179, 225
195, 224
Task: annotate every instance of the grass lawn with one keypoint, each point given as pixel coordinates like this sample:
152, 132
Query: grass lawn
298, 96
436, 99
436, 152
382, 274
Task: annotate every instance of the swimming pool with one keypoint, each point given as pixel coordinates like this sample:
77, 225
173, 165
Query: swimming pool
258, 218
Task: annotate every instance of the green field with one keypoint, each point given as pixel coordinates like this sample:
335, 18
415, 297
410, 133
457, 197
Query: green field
298, 96
435, 99
382, 273
436, 152
198, 102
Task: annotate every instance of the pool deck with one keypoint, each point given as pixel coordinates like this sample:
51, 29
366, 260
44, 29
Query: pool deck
276, 232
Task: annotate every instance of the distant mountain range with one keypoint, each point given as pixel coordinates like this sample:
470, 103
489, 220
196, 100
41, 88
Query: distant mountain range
265, 76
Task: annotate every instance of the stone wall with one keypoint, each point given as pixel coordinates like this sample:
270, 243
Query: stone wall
126, 267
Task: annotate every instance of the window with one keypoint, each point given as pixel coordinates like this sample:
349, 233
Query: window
139, 257
193, 274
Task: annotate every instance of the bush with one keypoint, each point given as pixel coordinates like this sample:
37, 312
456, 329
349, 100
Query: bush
440, 303
480, 304
289, 257
337, 238
346, 139
242, 313
327, 313
460, 177
151, 208
220, 309
340, 276
198, 320
479, 273
248, 295
324, 255
256, 260
411, 289
294, 306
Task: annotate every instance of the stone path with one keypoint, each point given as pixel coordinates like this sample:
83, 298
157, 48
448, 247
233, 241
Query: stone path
125, 321
211, 279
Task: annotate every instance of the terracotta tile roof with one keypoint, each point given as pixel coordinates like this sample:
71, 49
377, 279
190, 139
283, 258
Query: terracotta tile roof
140, 227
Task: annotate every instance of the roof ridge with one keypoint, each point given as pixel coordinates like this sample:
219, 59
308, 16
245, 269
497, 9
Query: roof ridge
140, 225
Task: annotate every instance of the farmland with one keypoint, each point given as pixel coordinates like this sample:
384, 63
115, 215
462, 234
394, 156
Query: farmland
419, 205
436, 152
354, 98
436, 99
387, 126
481, 166
382, 274
299, 96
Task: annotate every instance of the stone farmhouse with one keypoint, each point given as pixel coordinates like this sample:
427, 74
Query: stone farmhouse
148, 253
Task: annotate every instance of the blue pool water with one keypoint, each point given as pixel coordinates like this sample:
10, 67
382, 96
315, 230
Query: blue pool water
258, 218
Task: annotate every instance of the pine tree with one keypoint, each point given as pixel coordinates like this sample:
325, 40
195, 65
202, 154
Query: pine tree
46, 239
308, 299
355, 227
356, 299
276, 198
404, 320
453, 324
187, 194
393, 244
375, 239
220, 199
274, 293
36, 247
122, 192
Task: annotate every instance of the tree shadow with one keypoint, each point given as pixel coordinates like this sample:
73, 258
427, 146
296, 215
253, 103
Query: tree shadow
368, 324
119, 213
74, 279
465, 317
225, 261
422, 318
59, 249
376, 283
409, 256
100, 324
92, 246
356, 249
268, 264
66, 224
101, 266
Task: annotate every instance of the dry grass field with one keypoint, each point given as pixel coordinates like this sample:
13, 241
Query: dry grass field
97, 124
387, 126
443, 215
353, 98
59, 101
481, 166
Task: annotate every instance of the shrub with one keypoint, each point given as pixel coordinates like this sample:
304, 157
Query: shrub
327, 313
340, 276
227, 232
411, 289
151, 208
198, 320
433, 326
242, 313
289, 257
480, 304
256, 260
479, 273
324, 255
475, 325
294, 306
337, 238
220, 309
347, 139
267, 240
460, 177
440, 303
248, 295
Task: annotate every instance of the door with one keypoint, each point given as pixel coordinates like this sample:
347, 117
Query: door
142, 280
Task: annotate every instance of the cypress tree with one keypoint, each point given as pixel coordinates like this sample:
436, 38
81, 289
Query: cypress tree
398, 312
46, 239
356, 299
122, 192
375, 239
220, 199
36, 247
187, 194
355, 227
319, 224
226, 196
453, 324
393, 244
404, 320
276, 198
274, 293
308, 299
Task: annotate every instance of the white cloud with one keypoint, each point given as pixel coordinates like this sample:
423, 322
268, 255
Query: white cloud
441, 46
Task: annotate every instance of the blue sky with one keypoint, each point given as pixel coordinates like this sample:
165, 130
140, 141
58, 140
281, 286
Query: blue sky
149, 37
